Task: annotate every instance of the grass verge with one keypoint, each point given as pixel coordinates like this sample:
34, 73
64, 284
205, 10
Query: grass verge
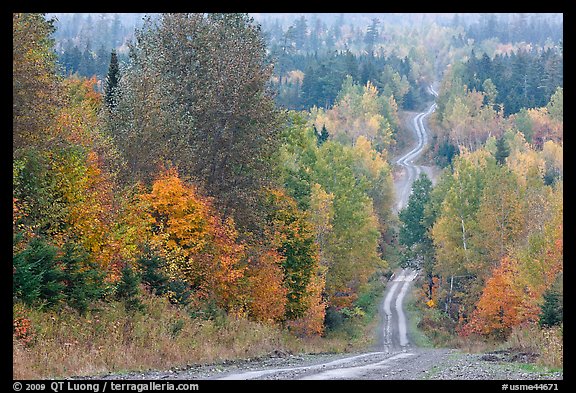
417, 336
63, 344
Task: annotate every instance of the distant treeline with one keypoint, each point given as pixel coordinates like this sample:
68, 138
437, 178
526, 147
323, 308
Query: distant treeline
534, 28
523, 79
306, 80
83, 42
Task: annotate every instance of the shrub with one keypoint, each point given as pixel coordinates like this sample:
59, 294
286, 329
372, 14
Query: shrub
547, 343
22, 326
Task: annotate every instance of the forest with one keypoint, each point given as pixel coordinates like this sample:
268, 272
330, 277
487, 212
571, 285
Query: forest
182, 179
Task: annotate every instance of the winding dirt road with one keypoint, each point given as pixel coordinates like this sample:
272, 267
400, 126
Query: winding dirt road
393, 349
406, 162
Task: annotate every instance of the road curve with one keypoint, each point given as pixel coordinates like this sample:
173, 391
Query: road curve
407, 160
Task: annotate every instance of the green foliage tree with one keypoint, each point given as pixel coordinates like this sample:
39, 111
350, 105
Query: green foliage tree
195, 94
352, 252
294, 235
35, 87
556, 105
414, 232
413, 229
296, 158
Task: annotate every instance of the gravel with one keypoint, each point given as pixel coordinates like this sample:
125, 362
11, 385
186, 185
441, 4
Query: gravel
491, 366
410, 364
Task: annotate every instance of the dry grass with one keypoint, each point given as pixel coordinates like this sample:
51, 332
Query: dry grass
165, 336
547, 343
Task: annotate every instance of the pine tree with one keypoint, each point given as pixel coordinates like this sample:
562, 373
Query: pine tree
322, 136
128, 289
152, 276
112, 80
371, 35
37, 277
551, 310
502, 151
83, 279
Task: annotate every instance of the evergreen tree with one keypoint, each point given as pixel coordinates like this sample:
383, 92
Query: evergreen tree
502, 151
101, 62
322, 136
159, 284
83, 279
37, 278
372, 36
111, 83
300, 32
551, 310
152, 275
74, 59
86, 65
128, 289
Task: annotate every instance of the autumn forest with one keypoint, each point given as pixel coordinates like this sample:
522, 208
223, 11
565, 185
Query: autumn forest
225, 183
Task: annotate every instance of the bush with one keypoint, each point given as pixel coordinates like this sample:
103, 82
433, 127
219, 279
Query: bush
446, 153
437, 326
547, 343
43, 278
22, 328
333, 318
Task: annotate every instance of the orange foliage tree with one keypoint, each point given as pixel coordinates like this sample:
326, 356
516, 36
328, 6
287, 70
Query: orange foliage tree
497, 310
200, 247
266, 292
